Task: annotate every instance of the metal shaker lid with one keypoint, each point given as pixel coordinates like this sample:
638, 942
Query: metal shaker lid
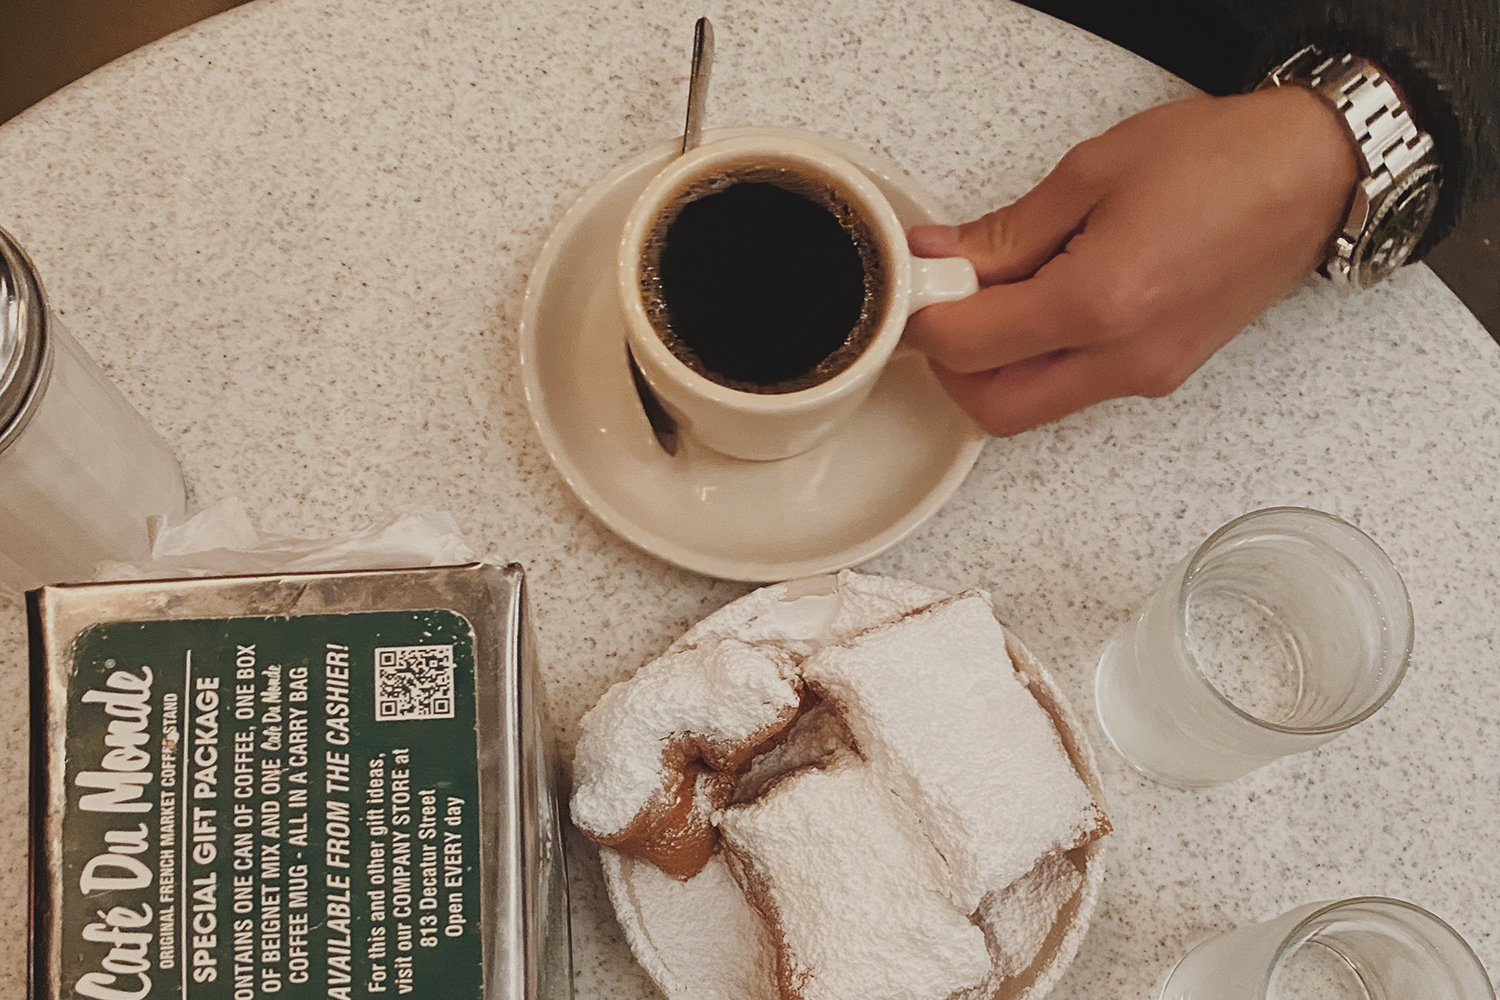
25, 347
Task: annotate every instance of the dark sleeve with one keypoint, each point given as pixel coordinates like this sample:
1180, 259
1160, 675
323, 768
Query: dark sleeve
1444, 55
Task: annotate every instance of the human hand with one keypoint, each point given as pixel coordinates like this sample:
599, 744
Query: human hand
1143, 251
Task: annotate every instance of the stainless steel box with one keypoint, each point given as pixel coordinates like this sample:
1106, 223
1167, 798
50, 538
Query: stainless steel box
326, 784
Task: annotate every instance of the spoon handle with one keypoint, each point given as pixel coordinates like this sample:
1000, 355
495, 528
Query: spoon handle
703, 61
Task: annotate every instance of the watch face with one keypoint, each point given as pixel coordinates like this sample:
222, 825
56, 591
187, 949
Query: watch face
1400, 220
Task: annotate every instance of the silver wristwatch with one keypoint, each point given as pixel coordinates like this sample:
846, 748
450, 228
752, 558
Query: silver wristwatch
1398, 192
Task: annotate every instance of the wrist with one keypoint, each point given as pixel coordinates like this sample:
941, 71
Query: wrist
1322, 155
1308, 165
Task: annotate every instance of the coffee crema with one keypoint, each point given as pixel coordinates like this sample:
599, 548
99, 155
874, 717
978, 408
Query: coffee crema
763, 279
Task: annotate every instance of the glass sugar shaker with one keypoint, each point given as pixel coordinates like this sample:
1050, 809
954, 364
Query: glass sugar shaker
81, 471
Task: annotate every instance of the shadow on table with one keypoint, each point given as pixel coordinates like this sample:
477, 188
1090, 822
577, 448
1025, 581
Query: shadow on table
47, 44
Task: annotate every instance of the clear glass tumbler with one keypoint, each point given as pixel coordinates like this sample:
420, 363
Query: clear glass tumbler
81, 471
1366, 948
1285, 628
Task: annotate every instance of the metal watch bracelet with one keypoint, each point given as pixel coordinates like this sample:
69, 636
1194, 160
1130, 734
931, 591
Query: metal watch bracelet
1397, 194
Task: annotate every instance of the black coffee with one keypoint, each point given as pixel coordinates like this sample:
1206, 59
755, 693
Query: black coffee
763, 285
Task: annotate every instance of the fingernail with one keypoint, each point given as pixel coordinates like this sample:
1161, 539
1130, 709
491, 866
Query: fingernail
933, 241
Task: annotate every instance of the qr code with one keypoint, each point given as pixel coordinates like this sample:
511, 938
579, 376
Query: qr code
413, 682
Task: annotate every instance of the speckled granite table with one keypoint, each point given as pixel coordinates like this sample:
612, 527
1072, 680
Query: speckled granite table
298, 236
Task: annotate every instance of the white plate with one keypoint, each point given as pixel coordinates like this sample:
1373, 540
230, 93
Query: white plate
906, 451
700, 940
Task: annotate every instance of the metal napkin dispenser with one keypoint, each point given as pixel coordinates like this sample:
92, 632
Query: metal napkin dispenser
308, 785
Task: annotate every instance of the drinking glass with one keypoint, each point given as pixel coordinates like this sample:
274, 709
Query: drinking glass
1365, 948
1285, 628
81, 471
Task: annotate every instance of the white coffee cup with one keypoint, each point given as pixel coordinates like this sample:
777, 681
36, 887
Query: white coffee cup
765, 426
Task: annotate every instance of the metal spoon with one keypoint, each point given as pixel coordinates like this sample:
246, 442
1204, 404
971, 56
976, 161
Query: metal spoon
662, 423
703, 62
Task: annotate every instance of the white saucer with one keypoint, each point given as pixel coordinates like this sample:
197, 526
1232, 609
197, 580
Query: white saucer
906, 451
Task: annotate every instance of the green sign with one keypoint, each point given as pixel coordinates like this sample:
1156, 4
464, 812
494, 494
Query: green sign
269, 807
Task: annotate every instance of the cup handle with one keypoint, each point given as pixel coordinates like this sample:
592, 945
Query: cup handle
940, 279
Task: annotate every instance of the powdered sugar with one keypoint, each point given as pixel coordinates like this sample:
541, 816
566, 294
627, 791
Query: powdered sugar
805, 615
700, 940
812, 741
718, 695
934, 704
838, 865
729, 678
1017, 919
